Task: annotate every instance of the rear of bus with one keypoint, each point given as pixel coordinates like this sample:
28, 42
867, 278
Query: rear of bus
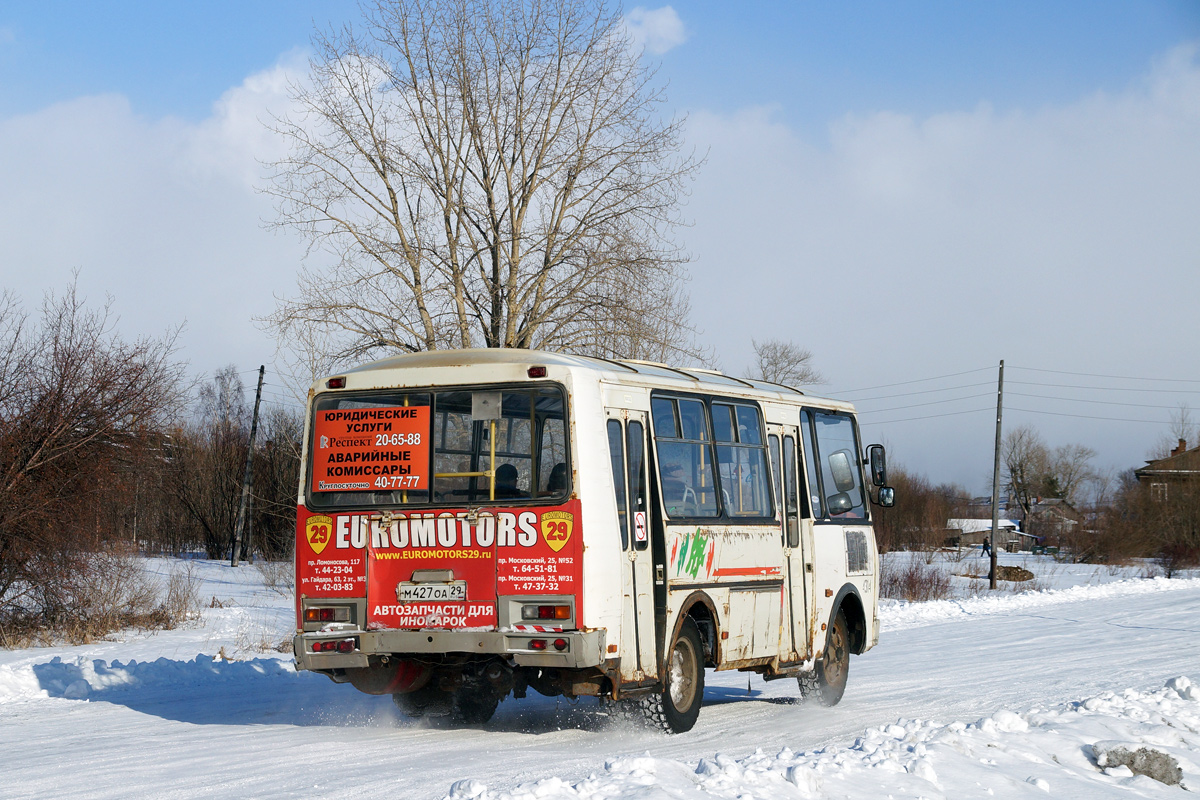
439, 533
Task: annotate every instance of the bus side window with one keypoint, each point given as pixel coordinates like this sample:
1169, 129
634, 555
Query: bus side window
776, 466
742, 460
552, 458
636, 438
841, 469
810, 461
789, 491
685, 461
616, 455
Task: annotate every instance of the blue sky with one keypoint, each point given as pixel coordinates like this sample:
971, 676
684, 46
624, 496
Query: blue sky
911, 190
816, 60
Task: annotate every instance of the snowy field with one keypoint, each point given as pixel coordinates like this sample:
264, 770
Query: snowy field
1006, 694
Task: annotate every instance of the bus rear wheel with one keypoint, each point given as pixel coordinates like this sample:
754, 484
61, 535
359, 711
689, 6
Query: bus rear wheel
474, 706
677, 706
827, 683
426, 701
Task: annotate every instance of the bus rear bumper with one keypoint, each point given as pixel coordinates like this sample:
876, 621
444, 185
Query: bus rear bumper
564, 650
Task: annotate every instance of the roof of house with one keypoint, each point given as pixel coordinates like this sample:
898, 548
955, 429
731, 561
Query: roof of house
1185, 463
979, 525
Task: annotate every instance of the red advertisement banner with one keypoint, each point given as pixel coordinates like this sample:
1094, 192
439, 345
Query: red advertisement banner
444, 568
327, 563
371, 449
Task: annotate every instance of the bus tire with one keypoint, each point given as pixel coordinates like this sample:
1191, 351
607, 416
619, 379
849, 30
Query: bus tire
827, 683
677, 706
474, 706
425, 701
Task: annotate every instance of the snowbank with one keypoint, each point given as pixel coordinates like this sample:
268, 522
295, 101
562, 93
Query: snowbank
897, 615
82, 678
1030, 754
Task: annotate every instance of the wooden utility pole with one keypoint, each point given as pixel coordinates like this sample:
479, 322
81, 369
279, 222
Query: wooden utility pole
246, 475
996, 476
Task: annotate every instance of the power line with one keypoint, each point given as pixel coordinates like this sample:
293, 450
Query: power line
918, 405
1180, 391
1107, 388
930, 416
922, 391
917, 380
1111, 377
1085, 416
1100, 402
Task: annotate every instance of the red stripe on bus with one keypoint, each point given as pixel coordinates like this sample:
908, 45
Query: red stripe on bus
719, 571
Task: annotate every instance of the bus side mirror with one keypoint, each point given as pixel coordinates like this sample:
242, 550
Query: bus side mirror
878, 459
839, 503
841, 471
887, 496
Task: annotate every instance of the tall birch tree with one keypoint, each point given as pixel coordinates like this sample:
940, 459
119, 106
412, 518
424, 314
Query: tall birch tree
494, 174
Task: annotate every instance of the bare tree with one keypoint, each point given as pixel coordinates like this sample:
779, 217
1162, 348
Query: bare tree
783, 362
484, 173
78, 404
276, 474
1033, 470
1026, 462
208, 456
1069, 471
1182, 429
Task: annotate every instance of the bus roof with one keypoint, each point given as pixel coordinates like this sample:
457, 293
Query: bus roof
699, 379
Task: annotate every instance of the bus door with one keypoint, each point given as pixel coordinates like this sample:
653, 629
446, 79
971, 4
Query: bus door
627, 432
793, 645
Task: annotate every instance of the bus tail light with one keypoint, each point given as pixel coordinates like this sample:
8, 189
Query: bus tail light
545, 612
536, 372
330, 646
560, 644
537, 644
327, 614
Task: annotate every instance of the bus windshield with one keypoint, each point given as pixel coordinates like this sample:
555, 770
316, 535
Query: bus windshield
464, 446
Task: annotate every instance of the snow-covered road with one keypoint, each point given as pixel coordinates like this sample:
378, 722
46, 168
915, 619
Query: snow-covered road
197, 728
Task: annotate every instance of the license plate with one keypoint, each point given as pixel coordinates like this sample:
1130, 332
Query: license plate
431, 592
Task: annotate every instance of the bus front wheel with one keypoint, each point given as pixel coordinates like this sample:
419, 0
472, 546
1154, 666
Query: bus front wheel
677, 706
827, 683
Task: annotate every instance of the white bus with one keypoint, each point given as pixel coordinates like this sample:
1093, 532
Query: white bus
474, 523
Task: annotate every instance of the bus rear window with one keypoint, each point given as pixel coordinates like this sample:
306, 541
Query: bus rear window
458, 447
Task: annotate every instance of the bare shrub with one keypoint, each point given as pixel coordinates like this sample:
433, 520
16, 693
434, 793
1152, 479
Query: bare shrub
976, 587
957, 554
918, 520
182, 600
263, 641
915, 581
79, 408
278, 576
1175, 557
105, 591
973, 570
1116, 566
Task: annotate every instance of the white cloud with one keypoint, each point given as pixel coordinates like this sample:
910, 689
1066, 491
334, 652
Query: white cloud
904, 247
901, 247
161, 213
657, 30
